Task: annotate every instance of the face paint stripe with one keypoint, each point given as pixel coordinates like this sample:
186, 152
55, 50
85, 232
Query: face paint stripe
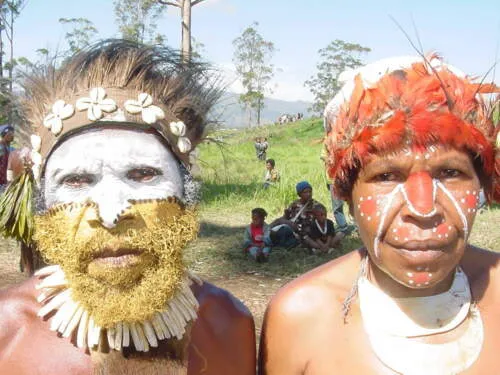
413, 209
388, 204
457, 207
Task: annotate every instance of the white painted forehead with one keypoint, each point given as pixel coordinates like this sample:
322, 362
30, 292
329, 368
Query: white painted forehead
372, 73
110, 144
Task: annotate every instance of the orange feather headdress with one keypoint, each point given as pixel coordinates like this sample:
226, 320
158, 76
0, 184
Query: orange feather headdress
418, 103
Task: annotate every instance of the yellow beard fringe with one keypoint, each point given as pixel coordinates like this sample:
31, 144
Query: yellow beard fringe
148, 300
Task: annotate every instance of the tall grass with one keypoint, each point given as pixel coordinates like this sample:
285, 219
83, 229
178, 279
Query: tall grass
233, 177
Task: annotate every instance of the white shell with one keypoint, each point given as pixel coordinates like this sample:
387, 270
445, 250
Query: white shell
152, 113
57, 126
36, 158
145, 99
133, 106
82, 104
36, 142
97, 94
47, 121
184, 144
178, 128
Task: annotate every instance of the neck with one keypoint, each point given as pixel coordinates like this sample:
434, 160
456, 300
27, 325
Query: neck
397, 290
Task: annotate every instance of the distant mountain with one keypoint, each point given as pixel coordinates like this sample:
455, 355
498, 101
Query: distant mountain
231, 115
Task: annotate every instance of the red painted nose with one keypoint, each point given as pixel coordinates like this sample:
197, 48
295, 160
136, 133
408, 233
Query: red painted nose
419, 191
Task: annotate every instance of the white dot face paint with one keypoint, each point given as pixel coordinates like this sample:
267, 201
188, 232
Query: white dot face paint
111, 167
415, 214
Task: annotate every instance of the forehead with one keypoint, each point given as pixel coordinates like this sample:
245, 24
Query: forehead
419, 156
109, 146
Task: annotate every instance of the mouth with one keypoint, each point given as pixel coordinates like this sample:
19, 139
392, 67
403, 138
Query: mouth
426, 251
121, 257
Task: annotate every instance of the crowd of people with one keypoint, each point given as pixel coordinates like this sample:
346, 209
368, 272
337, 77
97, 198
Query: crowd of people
303, 223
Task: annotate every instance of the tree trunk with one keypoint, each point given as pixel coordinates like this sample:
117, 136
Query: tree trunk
259, 105
186, 29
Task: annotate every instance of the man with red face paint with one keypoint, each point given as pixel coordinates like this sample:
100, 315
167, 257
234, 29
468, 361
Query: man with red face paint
411, 149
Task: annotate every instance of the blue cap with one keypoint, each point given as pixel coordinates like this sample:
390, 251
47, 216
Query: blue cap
4, 129
301, 186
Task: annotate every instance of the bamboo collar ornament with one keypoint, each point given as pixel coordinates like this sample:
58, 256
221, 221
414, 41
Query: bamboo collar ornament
113, 85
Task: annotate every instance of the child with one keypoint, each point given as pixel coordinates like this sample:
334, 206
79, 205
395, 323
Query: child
257, 241
322, 237
272, 174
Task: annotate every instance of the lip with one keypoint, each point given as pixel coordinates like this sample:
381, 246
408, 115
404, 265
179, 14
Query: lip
422, 245
421, 256
121, 257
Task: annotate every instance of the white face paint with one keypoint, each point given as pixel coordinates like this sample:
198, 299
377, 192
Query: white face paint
111, 167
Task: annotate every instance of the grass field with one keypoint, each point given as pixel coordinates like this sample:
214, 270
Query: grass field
232, 179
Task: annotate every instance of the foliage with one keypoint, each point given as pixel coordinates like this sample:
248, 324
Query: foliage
81, 33
137, 20
252, 57
335, 58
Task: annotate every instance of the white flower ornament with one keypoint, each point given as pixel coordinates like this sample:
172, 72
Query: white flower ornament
144, 105
35, 156
96, 104
60, 112
178, 128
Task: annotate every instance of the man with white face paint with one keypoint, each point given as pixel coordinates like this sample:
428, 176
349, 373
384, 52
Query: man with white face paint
410, 147
114, 128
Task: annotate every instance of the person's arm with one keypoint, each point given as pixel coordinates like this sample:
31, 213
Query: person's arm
267, 235
247, 239
313, 244
278, 355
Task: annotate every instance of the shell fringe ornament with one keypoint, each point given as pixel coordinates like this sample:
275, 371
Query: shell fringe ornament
71, 317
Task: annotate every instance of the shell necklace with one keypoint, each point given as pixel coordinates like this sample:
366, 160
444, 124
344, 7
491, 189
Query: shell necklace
397, 328
323, 231
71, 316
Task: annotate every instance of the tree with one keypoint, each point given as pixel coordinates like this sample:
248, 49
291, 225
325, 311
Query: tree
335, 58
81, 33
252, 59
185, 7
9, 11
137, 20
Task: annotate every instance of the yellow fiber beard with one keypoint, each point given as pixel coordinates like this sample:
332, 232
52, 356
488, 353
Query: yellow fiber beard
72, 236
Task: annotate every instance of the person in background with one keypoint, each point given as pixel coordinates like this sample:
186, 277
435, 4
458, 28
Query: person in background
322, 237
272, 175
337, 204
264, 147
257, 241
290, 229
7, 136
258, 147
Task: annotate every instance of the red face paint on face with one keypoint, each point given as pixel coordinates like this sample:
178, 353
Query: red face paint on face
417, 221
420, 192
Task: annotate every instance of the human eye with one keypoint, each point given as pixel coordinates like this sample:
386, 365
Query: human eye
447, 173
386, 177
143, 174
77, 180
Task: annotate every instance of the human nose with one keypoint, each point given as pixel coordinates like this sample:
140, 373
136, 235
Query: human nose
419, 192
112, 200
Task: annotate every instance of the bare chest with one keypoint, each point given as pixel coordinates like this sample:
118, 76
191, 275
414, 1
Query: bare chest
348, 350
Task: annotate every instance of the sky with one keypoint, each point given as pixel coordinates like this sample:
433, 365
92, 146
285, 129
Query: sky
465, 33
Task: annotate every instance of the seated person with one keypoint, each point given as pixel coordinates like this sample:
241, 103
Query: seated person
272, 175
257, 241
322, 237
289, 230
411, 145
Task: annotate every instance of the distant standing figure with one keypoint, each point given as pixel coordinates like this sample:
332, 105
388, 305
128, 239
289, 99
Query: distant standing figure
264, 145
7, 135
272, 175
258, 147
257, 241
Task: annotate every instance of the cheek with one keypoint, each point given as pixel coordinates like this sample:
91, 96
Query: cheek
368, 211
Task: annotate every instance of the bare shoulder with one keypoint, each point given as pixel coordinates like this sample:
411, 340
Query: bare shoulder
219, 303
318, 290
483, 271
17, 307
